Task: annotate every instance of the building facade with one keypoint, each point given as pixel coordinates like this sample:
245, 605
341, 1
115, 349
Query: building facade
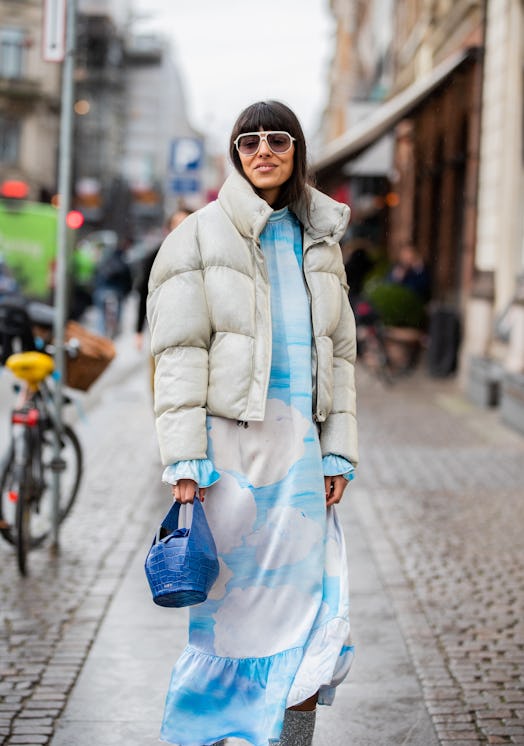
493, 351
156, 118
29, 101
128, 109
360, 80
455, 110
432, 73
100, 109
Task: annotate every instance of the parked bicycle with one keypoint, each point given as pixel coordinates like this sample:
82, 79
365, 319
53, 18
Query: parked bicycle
389, 353
27, 476
371, 342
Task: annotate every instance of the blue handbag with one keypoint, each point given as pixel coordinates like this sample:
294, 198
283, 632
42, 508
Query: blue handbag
182, 564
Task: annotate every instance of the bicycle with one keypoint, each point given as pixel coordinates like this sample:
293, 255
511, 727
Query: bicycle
371, 342
27, 475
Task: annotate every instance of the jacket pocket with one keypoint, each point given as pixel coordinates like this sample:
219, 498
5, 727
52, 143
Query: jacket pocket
230, 360
324, 378
325, 302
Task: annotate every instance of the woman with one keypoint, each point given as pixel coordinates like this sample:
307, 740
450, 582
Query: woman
254, 343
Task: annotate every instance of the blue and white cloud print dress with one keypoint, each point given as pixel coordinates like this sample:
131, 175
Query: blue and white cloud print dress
275, 628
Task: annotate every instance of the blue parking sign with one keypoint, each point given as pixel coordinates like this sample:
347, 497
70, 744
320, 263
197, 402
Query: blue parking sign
185, 185
186, 155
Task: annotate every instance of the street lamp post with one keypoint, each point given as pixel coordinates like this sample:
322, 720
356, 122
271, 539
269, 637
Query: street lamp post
64, 189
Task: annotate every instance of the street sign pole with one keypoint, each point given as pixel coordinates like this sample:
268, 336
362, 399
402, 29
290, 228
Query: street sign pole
64, 188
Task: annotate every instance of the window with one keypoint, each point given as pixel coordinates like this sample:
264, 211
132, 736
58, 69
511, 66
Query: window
11, 52
9, 140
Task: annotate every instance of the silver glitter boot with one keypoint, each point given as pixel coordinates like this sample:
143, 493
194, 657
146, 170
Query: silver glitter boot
298, 728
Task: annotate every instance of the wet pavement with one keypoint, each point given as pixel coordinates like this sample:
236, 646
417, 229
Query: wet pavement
434, 529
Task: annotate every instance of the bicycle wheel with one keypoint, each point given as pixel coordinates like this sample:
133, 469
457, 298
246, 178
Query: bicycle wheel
69, 466
15, 497
384, 368
41, 465
17, 501
23, 539
32, 522
375, 358
8, 497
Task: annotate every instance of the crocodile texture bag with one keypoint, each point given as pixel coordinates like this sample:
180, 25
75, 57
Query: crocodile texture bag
182, 564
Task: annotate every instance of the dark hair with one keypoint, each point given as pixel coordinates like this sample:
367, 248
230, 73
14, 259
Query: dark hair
274, 115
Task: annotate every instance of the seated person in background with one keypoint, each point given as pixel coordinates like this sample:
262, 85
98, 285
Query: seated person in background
410, 271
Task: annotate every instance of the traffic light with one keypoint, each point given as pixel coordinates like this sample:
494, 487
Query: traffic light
74, 219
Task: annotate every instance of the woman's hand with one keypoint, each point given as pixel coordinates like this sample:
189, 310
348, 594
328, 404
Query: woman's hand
335, 487
185, 490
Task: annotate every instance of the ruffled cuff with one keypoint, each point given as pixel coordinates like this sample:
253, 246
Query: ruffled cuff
338, 465
200, 470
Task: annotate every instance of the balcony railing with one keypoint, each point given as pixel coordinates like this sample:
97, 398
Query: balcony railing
20, 87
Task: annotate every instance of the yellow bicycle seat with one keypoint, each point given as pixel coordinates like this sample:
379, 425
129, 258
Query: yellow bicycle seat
31, 366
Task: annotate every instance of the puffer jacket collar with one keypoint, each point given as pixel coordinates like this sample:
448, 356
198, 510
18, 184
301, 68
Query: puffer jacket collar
249, 213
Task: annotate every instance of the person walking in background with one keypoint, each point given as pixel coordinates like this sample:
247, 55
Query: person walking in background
358, 266
254, 343
8, 284
171, 223
112, 284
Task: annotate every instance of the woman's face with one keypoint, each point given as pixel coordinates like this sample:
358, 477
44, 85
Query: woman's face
267, 171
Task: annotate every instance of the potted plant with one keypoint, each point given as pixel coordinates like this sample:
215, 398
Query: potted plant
403, 314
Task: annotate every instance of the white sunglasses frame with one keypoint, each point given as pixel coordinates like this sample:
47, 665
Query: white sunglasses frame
264, 136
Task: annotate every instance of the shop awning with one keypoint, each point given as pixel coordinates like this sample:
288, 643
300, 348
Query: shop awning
369, 130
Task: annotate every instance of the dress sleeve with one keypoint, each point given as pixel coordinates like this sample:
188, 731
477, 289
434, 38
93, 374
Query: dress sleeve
337, 465
200, 470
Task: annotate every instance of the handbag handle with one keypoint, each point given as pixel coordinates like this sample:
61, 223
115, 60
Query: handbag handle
170, 521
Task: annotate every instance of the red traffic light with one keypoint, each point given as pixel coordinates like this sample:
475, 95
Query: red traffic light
74, 219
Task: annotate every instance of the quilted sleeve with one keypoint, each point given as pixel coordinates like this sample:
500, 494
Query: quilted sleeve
339, 431
180, 337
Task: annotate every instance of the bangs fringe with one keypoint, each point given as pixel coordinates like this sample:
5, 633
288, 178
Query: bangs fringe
258, 116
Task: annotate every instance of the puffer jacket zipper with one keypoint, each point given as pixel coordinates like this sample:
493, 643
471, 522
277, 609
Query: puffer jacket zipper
314, 368
260, 272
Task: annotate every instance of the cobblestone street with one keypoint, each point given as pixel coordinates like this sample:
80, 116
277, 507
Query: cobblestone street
49, 620
440, 491
437, 505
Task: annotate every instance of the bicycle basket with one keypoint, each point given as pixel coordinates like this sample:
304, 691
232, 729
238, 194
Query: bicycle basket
94, 355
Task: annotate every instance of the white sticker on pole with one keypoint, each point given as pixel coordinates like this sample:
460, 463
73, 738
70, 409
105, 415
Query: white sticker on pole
54, 30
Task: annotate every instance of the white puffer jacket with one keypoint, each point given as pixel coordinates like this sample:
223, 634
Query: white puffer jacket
210, 320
